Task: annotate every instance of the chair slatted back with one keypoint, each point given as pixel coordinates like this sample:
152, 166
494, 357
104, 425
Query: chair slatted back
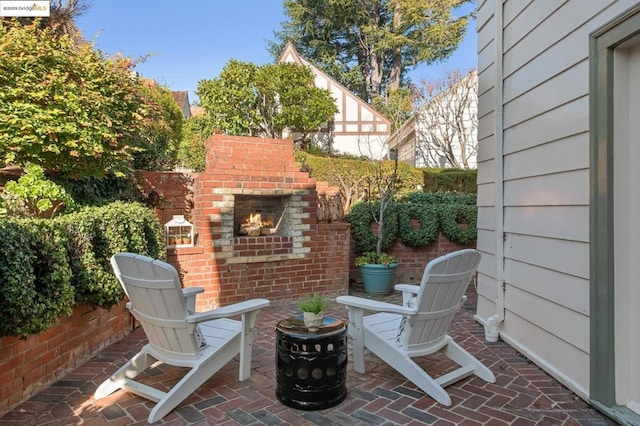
156, 300
442, 288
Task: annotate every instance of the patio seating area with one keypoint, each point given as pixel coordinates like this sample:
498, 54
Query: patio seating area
522, 395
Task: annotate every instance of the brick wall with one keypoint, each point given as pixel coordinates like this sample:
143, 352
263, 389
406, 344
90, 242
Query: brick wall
411, 260
28, 365
311, 258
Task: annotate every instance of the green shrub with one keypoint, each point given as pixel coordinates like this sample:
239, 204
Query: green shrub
35, 195
427, 217
35, 274
459, 222
454, 214
455, 180
99, 232
47, 266
361, 218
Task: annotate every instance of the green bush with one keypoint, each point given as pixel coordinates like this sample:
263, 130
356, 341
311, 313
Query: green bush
455, 215
35, 274
455, 180
99, 232
361, 218
47, 266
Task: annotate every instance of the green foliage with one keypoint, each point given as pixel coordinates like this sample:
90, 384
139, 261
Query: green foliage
440, 180
252, 100
35, 274
99, 232
350, 176
65, 107
373, 258
47, 266
192, 152
93, 191
441, 198
397, 106
314, 304
362, 218
160, 133
459, 222
350, 36
34, 195
428, 220
453, 214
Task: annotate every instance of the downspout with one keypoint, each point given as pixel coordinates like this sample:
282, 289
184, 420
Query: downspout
493, 323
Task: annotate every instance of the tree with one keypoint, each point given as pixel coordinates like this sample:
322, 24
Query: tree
161, 130
448, 121
247, 99
65, 107
380, 39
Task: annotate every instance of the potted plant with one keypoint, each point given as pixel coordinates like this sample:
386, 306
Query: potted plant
378, 268
312, 308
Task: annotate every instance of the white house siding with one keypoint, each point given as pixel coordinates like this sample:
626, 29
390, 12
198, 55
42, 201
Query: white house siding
533, 199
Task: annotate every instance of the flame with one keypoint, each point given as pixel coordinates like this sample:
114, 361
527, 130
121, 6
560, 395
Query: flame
256, 219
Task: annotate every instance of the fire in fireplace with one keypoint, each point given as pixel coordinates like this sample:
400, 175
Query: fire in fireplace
259, 215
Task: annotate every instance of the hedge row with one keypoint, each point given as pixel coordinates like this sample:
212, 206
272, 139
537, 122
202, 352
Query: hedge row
49, 266
352, 173
453, 214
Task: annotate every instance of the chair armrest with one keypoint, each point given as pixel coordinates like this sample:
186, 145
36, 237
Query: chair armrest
408, 293
410, 288
373, 305
230, 310
189, 294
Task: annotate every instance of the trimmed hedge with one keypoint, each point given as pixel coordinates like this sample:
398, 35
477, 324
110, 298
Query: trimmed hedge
453, 214
48, 266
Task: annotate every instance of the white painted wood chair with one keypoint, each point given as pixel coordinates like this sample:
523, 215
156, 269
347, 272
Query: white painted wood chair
398, 333
203, 342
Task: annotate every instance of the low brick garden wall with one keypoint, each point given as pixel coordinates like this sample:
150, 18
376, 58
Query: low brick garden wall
30, 364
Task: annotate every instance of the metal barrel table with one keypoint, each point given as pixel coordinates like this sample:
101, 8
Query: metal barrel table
311, 365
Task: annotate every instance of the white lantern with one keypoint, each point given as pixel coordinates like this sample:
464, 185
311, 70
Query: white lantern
178, 232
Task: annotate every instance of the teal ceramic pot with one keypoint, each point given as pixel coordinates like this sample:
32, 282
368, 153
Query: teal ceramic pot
378, 279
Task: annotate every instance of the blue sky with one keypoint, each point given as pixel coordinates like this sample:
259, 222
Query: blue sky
193, 40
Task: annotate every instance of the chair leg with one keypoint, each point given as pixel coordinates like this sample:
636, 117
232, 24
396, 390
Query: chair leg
136, 365
456, 353
412, 371
247, 335
356, 331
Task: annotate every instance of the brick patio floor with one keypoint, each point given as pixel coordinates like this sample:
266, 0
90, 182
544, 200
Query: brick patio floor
522, 395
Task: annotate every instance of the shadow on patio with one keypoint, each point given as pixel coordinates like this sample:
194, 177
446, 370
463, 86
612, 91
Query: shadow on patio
522, 395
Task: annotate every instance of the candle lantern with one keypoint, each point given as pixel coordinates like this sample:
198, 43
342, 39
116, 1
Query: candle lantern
179, 232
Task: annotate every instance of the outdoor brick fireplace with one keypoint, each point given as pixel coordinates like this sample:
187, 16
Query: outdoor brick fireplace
258, 234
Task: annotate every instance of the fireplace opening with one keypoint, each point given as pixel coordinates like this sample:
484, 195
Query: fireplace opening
259, 215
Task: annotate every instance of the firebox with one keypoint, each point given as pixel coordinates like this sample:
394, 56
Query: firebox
259, 215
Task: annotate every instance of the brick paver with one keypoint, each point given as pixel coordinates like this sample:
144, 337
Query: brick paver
522, 395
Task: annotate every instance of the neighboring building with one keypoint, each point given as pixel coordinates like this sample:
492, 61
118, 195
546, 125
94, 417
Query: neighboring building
357, 128
444, 131
558, 195
182, 99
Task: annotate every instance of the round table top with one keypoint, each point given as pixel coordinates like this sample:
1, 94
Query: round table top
294, 327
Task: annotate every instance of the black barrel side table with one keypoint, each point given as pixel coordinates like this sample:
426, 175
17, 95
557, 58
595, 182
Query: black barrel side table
311, 365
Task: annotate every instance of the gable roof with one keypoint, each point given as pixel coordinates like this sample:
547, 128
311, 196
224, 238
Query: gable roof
355, 116
182, 99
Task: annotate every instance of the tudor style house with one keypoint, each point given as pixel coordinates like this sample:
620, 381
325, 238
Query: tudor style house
357, 128
558, 202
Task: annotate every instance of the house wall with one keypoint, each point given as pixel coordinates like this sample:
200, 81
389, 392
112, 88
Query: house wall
533, 177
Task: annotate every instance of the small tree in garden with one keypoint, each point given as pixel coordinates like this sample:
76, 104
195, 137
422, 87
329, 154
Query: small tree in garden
252, 100
382, 184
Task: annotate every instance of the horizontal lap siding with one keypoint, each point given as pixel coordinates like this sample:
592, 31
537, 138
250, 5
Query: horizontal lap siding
545, 113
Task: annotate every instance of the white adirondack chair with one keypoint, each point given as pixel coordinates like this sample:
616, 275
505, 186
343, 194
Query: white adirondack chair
398, 333
178, 336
